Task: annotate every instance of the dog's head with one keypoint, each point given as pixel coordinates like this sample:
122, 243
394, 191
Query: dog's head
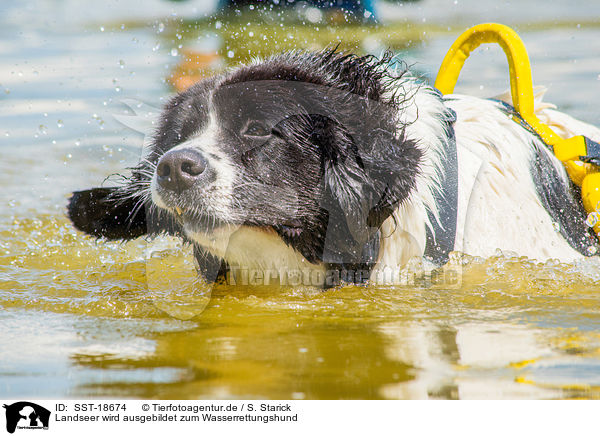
307, 146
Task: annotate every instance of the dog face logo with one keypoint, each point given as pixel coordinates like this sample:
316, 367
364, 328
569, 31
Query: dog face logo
26, 415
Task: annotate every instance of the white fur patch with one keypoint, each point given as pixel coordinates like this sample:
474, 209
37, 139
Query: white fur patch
499, 208
259, 252
218, 194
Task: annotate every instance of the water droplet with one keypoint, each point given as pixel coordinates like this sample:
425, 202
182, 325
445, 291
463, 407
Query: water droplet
230, 54
174, 52
43, 129
556, 226
121, 63
592, 250
117, 88
60, 123
314, 15
101, 28
218, 25
592, 219
161, 27
156, 47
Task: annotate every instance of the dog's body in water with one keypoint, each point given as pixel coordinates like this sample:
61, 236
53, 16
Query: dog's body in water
335, 164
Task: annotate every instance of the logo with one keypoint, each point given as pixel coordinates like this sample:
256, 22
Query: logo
26, 415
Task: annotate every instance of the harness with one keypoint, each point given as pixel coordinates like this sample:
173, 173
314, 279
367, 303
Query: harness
440, 242
579, 154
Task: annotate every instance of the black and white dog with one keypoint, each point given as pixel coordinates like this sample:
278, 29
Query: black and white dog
336, 164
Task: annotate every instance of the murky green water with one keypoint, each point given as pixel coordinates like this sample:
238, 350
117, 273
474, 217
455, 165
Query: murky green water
87, 318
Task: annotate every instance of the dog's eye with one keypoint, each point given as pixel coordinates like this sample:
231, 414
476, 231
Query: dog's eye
256, 128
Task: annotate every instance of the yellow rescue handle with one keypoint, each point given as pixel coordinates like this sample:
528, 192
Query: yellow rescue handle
573, 152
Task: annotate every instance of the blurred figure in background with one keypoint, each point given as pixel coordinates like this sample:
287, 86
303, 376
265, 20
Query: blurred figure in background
362, 10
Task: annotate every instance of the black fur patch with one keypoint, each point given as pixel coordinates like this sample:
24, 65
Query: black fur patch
564, 205
98, 213
210, 267
366, 76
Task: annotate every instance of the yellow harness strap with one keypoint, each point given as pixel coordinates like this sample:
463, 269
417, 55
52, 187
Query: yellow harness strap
572, 152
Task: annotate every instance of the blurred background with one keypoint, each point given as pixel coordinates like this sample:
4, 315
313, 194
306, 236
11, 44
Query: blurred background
80, 85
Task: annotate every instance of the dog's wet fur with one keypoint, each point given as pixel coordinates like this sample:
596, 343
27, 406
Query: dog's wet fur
326, 161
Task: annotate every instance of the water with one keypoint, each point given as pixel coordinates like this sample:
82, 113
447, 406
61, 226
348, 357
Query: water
80, 317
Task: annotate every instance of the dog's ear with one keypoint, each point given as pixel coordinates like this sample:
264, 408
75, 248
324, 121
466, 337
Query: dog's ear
101, 213
391, 164
366, 175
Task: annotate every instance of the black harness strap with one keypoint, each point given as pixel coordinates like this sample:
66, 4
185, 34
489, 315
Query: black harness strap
441, 242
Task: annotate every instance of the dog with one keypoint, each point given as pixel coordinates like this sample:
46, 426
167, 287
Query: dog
346, 167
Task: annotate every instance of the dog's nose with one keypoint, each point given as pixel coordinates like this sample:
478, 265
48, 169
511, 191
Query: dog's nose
177, 170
